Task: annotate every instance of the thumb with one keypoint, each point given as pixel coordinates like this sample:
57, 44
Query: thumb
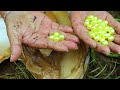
16, 52
16, 46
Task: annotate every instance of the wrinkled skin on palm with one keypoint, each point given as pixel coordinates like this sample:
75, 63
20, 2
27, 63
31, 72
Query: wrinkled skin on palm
48, 64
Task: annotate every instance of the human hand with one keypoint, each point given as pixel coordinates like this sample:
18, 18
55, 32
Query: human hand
78, 18
33, 29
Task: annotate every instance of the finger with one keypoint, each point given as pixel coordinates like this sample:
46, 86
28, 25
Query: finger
70, 45
100, 14
78, 17
82, 33
117, 39
103, 49
114, 47
61, 27
16, 47
45, 26
67, 36
114, 23
71, 37
57, 46
65, 29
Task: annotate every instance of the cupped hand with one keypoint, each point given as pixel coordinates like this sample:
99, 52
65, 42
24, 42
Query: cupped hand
78, 18
33, 28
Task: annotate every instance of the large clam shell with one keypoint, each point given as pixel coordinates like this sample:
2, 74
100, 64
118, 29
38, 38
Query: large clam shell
4, 42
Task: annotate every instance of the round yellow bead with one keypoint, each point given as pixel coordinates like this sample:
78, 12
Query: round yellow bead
107, 27
89, 27
111, 31
99, 21
107, 35
97, 38
90, 17
106, 22
105, 43
96, 25
92, 35
87, 20
95, 18
93, 28
100, 27
51, 37
94, 22
56, 34
102, 40
62, 37
103, 25
86, 23
56, 39
111, 38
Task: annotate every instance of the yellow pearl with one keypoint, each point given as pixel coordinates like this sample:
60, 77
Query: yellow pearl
93, 22
87, 20
95, 18
56, 39
99, 21
107, 35
89, 27
105, 43
106, 22
107, 28
93, 28
56, 34
102, 40
92, 35
96, 25
90, 17
51, 37
86, 23
103, 25
111, 38
61, 37
111, 31
97, 38
100, 27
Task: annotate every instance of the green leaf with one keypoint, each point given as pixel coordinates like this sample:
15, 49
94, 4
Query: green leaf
113, 54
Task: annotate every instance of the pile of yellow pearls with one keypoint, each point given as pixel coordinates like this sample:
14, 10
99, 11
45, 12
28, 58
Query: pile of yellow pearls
99, 30
56, 37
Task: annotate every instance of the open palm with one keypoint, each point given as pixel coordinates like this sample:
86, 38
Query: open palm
33, 29
78, 18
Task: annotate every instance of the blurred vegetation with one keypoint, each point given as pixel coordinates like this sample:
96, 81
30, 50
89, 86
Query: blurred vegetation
102, 67
15, 70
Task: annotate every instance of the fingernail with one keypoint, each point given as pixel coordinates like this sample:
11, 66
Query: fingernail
76, 48
93, 45
67, 50
11, 60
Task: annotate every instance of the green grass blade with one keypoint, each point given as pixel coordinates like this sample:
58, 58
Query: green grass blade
100, 71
